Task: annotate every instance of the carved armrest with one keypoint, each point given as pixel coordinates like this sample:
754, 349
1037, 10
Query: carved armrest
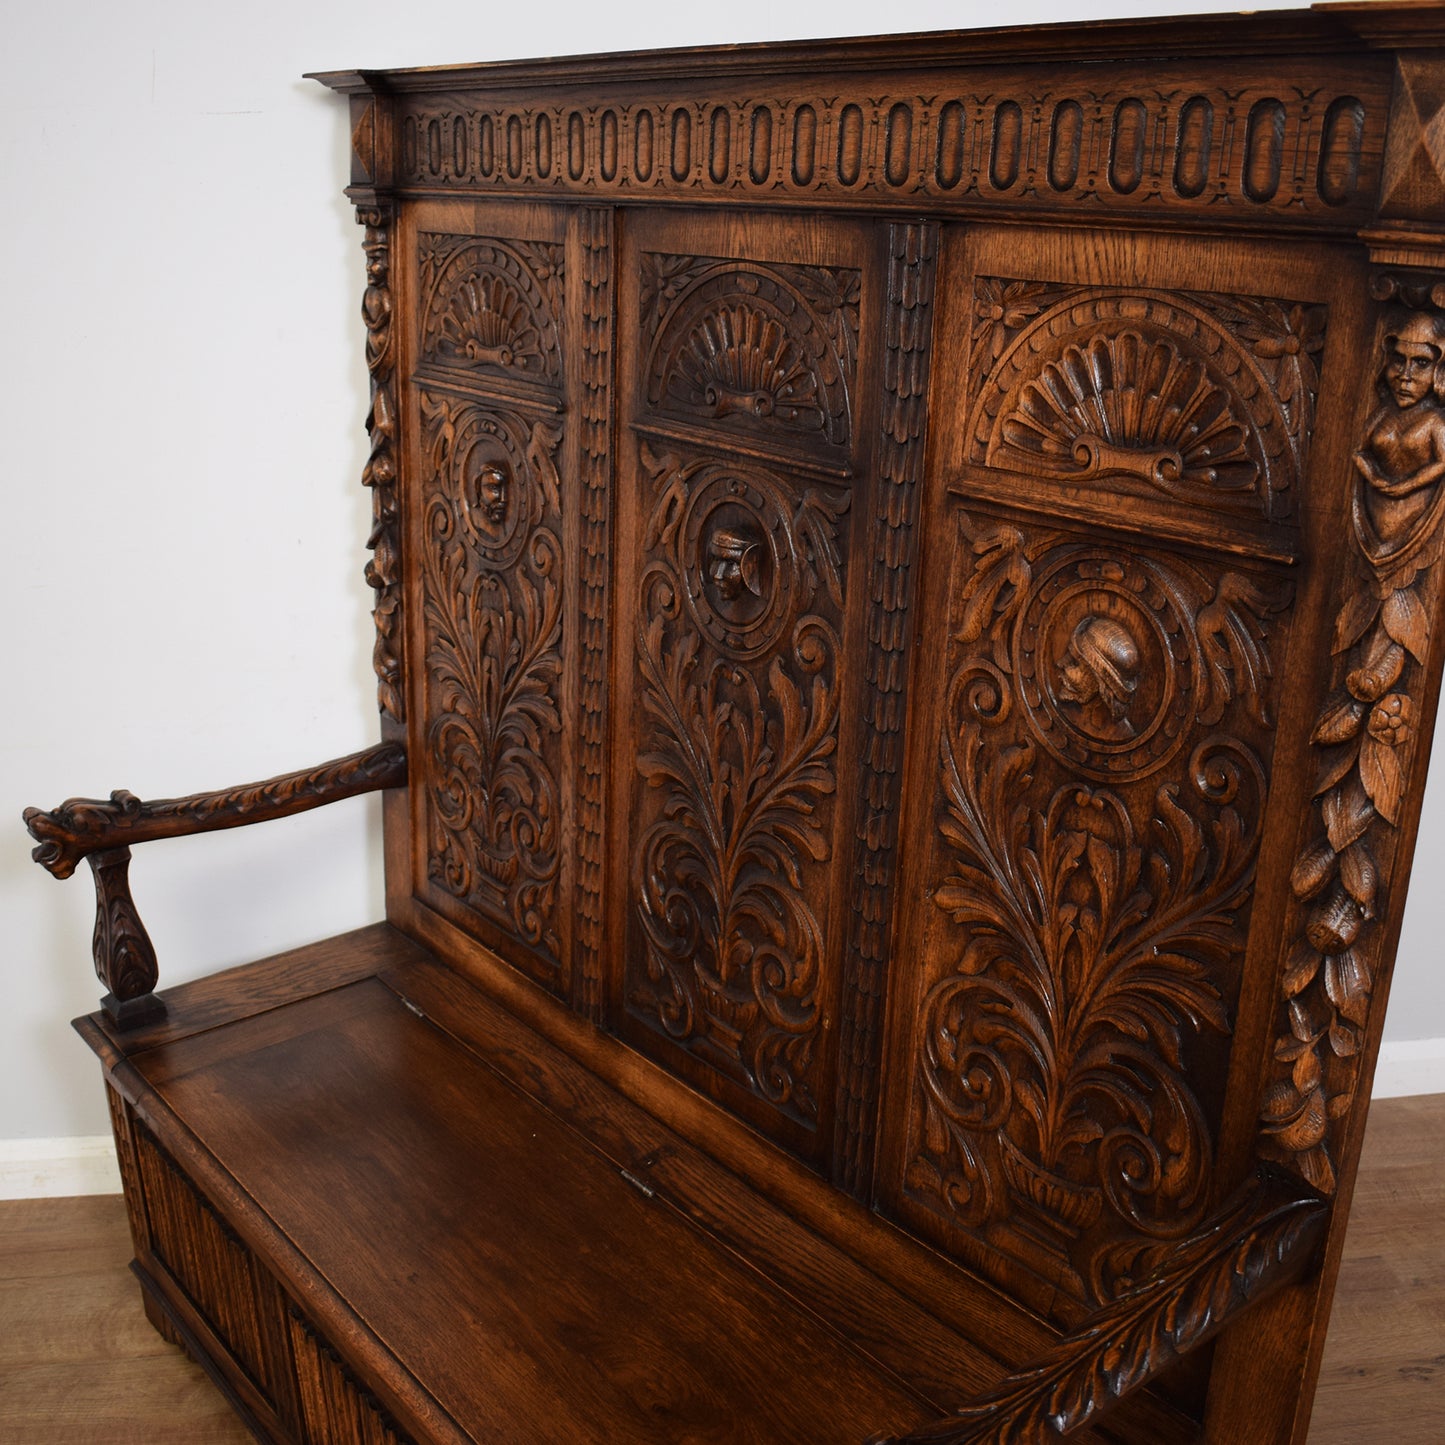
103, 830
1264, 1237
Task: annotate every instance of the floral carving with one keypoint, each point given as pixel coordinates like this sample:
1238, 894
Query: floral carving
753, 344
493, 622
740, 705
1202, 397
492, 305
1366, 735
1094, 932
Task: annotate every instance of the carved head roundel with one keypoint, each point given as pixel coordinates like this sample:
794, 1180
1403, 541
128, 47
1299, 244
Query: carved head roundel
1105, 666
739, 560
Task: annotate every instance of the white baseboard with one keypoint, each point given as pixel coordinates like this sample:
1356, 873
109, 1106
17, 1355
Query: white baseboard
1410, 1066
48, 1168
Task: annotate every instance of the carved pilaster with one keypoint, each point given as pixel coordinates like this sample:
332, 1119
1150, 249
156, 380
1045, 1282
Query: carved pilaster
1367, 738
596, 466
125, 958
913, 251
381, 473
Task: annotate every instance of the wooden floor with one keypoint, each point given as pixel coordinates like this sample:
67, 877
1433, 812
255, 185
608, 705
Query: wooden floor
80, 1365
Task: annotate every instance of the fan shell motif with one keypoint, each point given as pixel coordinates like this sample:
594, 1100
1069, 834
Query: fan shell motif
487, 307
1201, 398
771, 348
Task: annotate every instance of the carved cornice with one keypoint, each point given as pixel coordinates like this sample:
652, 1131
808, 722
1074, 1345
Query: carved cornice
1140, 139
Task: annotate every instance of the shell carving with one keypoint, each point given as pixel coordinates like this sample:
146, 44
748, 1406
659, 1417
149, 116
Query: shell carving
1131, 402
487, 321
740, 359
491, 304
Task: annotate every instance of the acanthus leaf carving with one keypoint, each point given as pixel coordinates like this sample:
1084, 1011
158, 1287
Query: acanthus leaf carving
493, 620
1096, 920
737, 650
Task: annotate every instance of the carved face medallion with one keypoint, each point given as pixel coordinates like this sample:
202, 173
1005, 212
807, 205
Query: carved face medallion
739, 561
1104, 666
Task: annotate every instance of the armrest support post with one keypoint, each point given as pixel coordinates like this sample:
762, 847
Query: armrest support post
125, 958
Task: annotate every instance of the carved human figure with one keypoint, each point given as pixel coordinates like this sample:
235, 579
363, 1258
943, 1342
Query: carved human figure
376, 299
734, 564
1403, 458
487, 488
1099, 674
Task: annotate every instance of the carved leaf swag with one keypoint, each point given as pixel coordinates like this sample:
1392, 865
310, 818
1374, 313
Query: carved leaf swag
1266, 1236
1367, 736
1145, 399
1053, 1070
493, 667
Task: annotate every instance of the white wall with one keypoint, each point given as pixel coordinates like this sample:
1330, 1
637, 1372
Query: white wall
182, 393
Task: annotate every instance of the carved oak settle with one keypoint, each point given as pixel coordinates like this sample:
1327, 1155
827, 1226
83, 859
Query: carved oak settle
908, 628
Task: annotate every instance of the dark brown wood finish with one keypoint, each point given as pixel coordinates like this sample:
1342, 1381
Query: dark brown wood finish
907, 616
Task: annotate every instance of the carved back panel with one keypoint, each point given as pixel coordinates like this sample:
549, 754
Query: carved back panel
909, 578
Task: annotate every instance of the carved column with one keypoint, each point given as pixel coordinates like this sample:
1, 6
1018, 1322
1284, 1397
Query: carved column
913, 251
1369, 738
382, 469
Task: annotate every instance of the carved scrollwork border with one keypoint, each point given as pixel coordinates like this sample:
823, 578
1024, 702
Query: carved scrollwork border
1366, 742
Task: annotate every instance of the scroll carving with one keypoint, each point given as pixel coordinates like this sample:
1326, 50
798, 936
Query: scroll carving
383, 572
1264, 1238
1098, 919
596, 462
770, 346
737, 654
491, 305
1199, 397
492, 615
907, 330
1366, 737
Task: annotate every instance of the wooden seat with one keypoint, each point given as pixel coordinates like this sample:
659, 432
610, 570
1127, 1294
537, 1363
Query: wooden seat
908, 587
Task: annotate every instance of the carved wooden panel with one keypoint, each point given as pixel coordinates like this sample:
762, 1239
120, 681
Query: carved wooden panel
1120, 139
1203, 400
1101, 764
737, 650
493, 623
735, 581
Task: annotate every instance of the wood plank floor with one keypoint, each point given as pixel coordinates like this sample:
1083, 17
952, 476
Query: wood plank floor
79, 1364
